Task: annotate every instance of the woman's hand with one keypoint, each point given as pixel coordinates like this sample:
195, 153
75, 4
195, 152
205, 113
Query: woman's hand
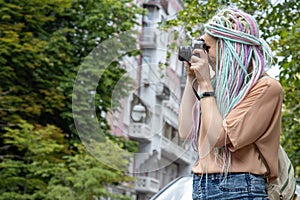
200, 66
190, 73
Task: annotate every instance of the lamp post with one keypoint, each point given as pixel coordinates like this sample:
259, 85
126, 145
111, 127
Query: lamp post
138, 112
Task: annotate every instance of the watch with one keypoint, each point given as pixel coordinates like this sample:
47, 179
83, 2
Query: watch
202, 95
207, 94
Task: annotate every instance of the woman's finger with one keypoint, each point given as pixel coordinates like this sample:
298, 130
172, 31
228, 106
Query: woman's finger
199, 52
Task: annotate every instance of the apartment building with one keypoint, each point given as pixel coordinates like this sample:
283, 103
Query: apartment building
149, 115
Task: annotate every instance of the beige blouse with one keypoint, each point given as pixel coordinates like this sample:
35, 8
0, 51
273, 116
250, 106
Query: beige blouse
257, 119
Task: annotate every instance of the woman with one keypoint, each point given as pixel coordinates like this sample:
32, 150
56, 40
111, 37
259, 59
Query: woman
239, 110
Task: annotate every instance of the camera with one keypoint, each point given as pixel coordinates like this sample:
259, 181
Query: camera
185, 52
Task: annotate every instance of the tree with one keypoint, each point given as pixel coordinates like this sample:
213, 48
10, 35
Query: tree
42, 167
289, 77
42, 44
280, 27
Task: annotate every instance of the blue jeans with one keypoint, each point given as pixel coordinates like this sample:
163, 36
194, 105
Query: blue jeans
243, 186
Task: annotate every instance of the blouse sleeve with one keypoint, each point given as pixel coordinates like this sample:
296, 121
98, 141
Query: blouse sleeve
253, 116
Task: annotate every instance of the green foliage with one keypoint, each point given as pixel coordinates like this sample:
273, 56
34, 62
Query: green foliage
47, 170
280, 27
28, 70
289, 77
42, 44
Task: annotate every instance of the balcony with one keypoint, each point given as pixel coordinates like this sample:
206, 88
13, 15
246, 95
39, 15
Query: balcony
148, 38
176, 152
140, 132
146, 184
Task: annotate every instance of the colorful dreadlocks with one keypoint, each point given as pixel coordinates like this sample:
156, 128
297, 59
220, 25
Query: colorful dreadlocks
243, 56
241, 59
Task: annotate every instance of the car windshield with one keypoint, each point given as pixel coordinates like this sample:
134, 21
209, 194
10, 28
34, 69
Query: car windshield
180, 190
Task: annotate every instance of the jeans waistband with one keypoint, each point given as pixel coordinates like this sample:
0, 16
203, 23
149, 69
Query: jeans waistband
215, 175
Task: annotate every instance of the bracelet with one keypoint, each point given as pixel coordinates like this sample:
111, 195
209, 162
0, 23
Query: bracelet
202, 95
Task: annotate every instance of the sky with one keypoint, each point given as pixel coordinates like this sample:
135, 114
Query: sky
274, 72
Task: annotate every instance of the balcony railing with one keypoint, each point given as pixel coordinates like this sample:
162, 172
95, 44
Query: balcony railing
147, 184
175, 152
140, 131
148, 38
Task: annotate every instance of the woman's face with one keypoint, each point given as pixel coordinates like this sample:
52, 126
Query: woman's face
211, 43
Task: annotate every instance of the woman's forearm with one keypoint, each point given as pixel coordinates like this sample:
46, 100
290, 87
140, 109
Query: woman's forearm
211, 119
185, 120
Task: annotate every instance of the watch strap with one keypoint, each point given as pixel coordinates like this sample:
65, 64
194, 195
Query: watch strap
202, 95
207, 94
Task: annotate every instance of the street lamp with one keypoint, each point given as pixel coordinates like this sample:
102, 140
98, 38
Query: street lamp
138, 113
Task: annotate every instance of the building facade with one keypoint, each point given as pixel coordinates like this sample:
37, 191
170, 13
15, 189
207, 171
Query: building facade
150, 114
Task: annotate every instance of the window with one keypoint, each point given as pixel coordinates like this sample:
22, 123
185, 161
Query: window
146, 60
148, 20
146, 64
171, 133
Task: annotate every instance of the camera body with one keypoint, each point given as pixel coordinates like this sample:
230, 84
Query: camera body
185, 52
